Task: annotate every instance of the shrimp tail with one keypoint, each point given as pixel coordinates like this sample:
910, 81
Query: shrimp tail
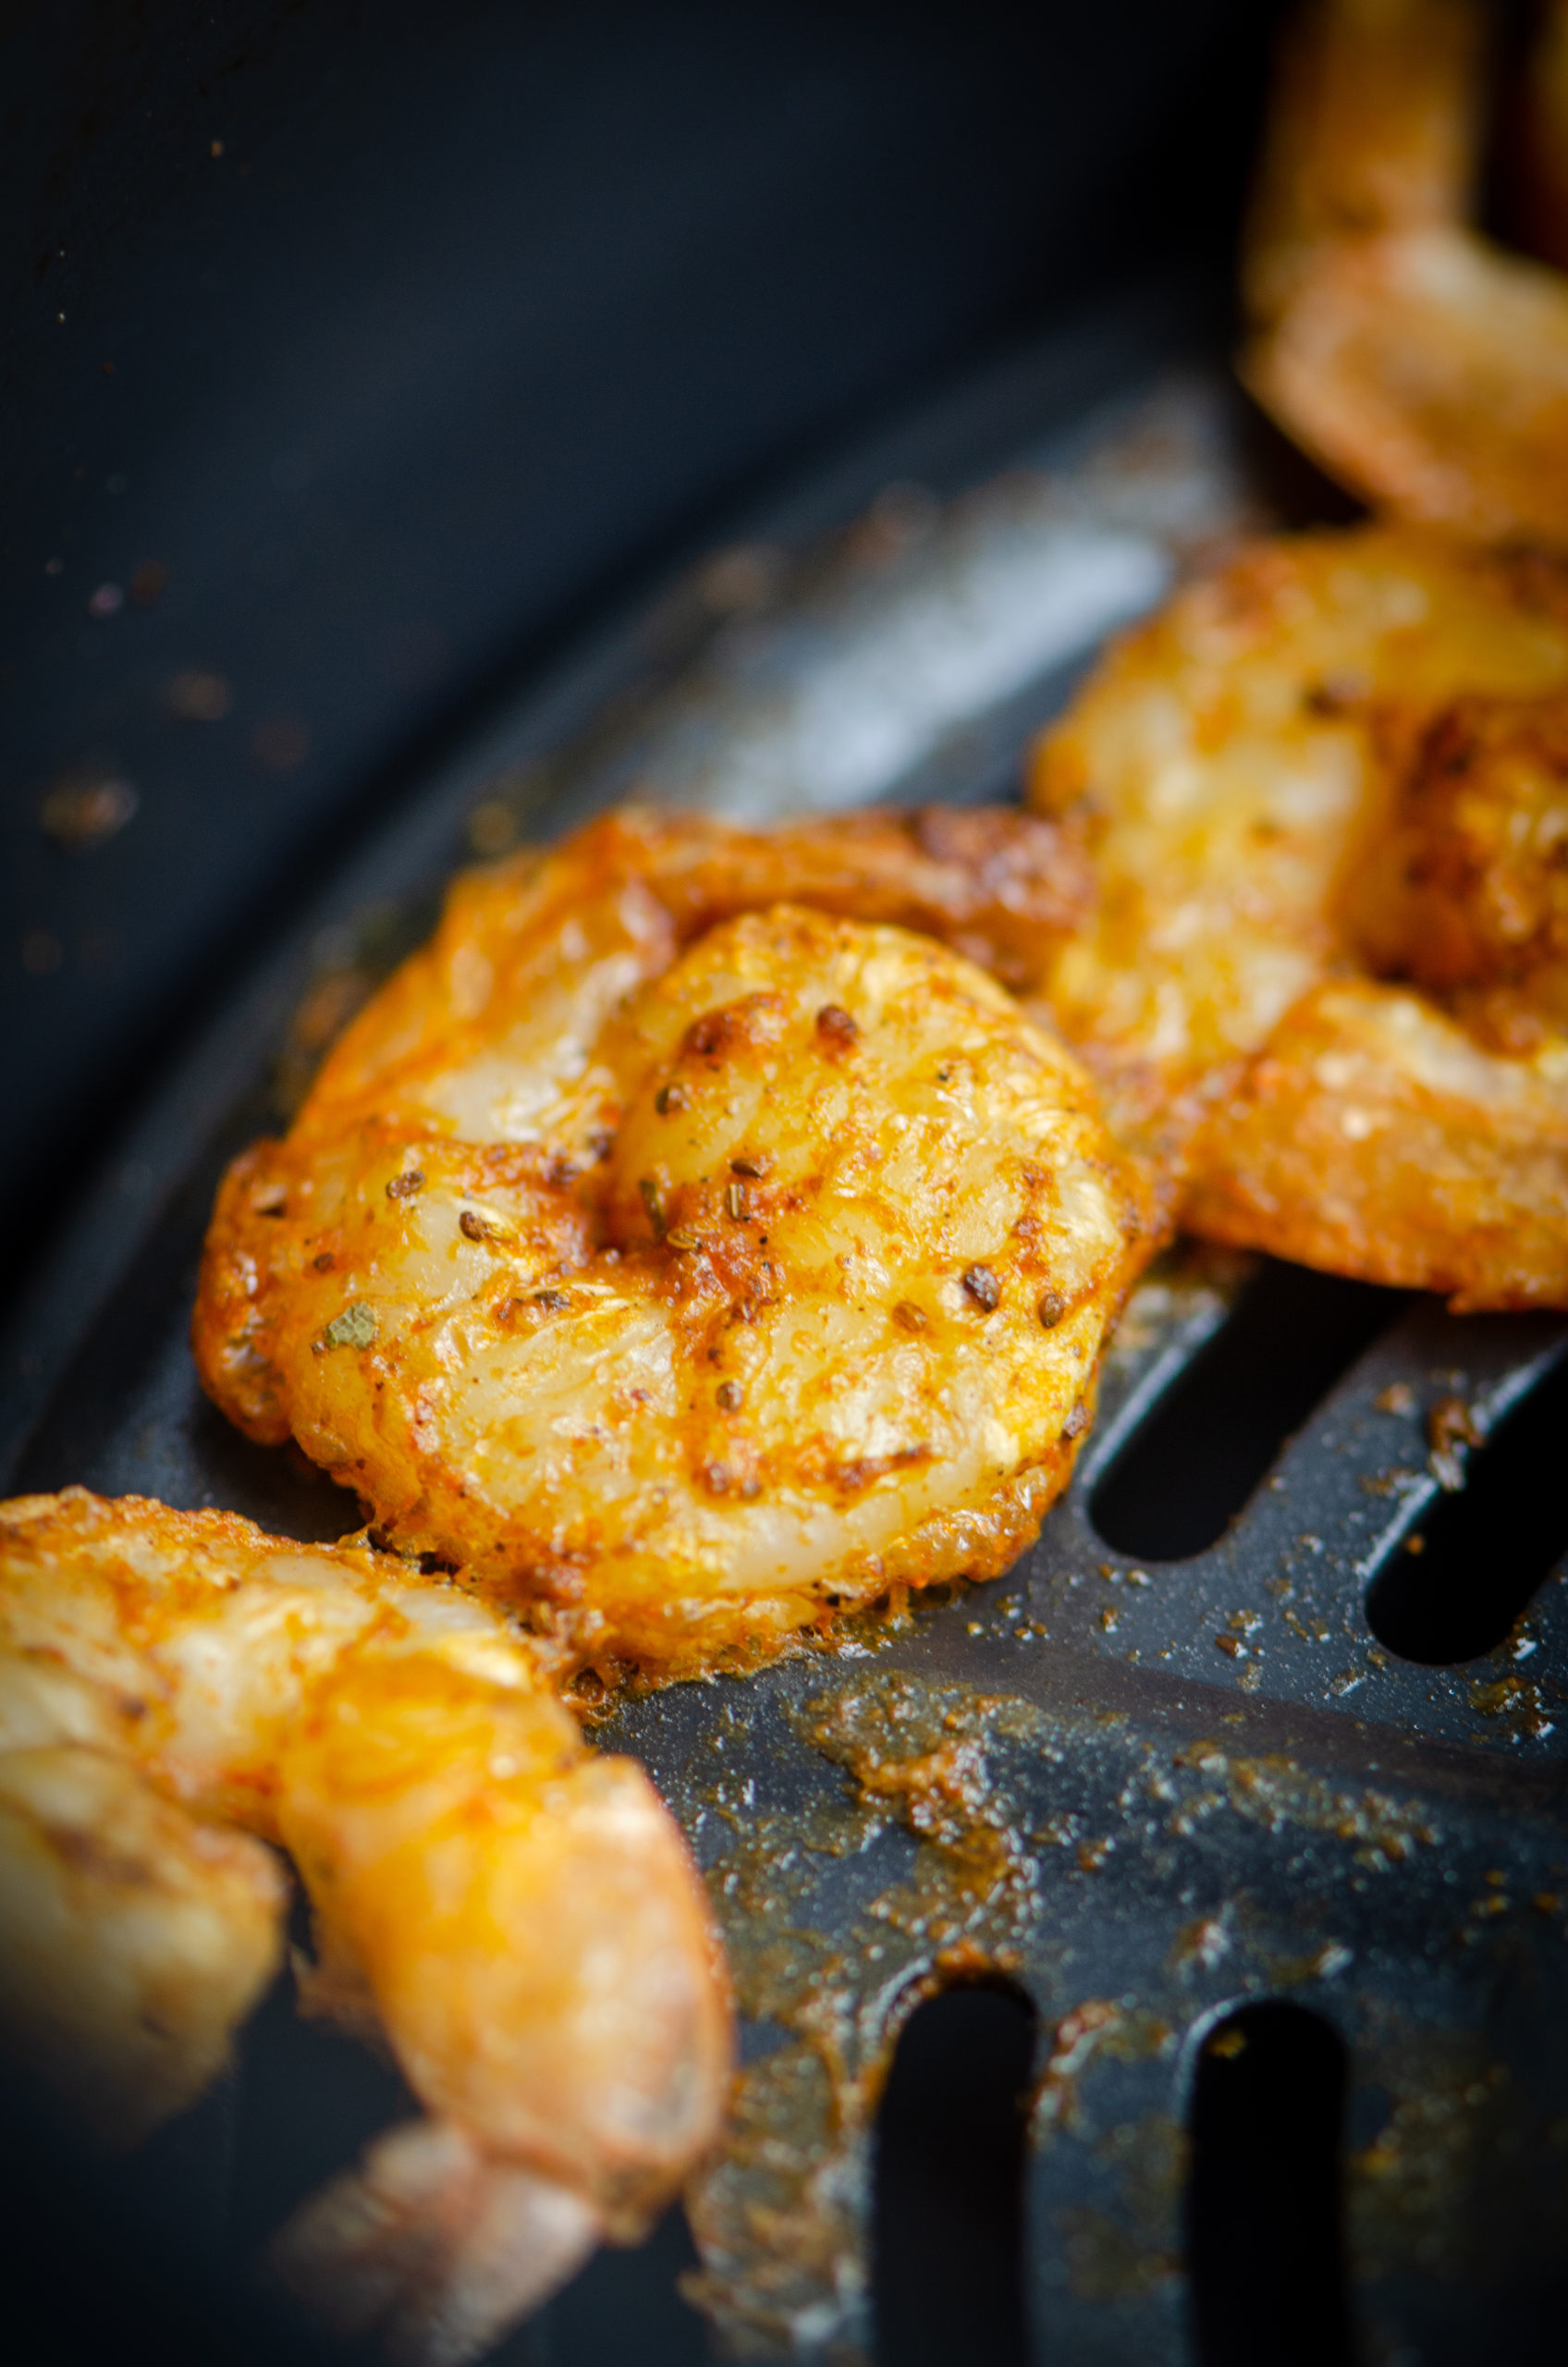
518, 1920
432, 2245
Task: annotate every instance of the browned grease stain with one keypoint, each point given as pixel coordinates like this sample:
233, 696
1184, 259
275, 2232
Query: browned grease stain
778, 2220
1454, 2184
1116, 2260
781, 2217
1201, 1945
1099, 2029
1274, 1792
1515, 1701
925, 1751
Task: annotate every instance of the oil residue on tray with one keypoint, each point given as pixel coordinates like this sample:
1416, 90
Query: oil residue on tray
874, 1829
1448, 2182
921, 1832
1275, 1792
1515, 1701
1113, 2259
929, 1750
779, 2219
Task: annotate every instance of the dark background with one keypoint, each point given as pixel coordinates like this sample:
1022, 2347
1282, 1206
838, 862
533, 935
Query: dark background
368, 351
482, 314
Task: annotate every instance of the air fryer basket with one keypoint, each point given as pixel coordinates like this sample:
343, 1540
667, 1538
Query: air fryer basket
1250, 1773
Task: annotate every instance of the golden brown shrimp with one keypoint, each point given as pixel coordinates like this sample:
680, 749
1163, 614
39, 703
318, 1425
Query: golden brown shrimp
1327, 791
688, 1263
520, 1917
1418, 362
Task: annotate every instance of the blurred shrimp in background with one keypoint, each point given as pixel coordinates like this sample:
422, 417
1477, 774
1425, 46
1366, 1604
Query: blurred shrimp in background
1415, 358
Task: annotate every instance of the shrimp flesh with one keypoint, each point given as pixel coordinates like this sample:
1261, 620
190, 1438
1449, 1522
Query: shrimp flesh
685, 1262
180, 1696
1327, 972
1421, 365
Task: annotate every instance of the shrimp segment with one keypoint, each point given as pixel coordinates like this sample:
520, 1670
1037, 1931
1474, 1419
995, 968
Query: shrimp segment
520, 1917
1419, 364
1373, 131
136, 1937
1328, 792
433, 2245
1375, 1137
686, 1276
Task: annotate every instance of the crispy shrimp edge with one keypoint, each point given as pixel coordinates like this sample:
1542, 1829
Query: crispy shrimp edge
230, 1329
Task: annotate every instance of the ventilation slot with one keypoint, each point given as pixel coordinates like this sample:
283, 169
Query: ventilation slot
1263, 2204
1188, 1469
1479, 1555
951, 2154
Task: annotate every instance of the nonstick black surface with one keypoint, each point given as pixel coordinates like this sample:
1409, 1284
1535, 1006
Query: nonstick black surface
366, 349
1278, 1935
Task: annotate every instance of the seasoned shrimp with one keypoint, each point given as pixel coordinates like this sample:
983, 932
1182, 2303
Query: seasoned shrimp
1328, 795
685, 1263
1418, 362
178, 1690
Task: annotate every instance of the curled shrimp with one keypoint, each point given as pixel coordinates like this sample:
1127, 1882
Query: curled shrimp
1326, 969
684, 1262
521, 1918
1419, 363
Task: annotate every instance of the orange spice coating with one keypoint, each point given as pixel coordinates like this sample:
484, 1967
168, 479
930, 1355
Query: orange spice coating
519, 1919
1324, 795
618, 1256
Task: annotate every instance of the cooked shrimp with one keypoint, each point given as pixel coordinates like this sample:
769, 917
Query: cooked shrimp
1327, 794
1418, 362
521, 1920
683, 1262
1465, 893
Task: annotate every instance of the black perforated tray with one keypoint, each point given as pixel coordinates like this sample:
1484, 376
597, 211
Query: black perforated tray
1163, 1773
